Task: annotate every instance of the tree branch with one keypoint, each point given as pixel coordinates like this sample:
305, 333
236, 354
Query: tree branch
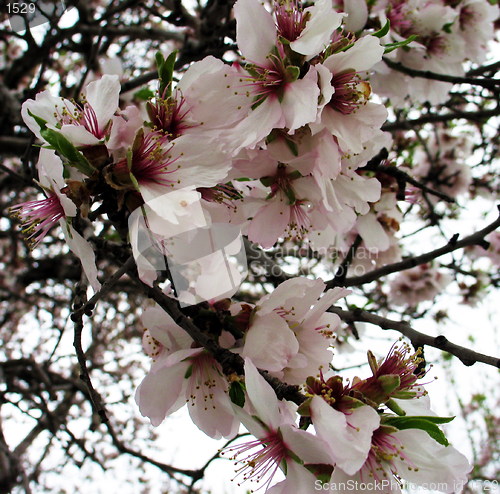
467, 357
427, 74
454, 244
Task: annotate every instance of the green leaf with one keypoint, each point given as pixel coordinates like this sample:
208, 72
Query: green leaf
267, 181
165, 72
188, 373
447, 27
68, 150
237, 393
383, 31
64, 147
292, 146
392, 405
144, 94
427, 424
292, 73
393, 46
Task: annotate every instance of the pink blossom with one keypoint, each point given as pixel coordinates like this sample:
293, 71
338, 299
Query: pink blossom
182, 374
280, 443
290, 333
40, 216
409, 454
83, 125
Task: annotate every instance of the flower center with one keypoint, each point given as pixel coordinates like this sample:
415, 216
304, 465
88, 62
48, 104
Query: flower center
290, 19
38, 217
350, 92
150, 161
263, 457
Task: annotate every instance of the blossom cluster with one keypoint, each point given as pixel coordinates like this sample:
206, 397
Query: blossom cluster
276, 144
380, 428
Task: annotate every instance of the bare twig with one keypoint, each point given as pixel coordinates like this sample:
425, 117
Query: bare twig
467, 357
453, 244
426, 74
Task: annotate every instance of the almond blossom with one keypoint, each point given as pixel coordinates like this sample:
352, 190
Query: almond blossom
290, 331
87, 124
182, 374
280, 443
409, 454
40, 216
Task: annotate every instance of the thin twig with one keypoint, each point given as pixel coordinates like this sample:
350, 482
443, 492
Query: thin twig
426, 74
467, 357
453, 244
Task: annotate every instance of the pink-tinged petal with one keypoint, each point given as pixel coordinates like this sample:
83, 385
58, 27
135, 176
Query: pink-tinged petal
262, 396
124, 129
372, 232
179, 357
298, 480
348, 437
365, 53
79, 135
435, 463
215, 416
308, 447
270, 343
300, 101
84, 251
255, 127
290, 293
199, 162
318, 30
353, 130
255, 30
341, 483
420, 406
44, 106
103, 96
325, 84
50, 170
170, 212
357, 11
269, 223
160, 393
209, 86
163, 328
325, 302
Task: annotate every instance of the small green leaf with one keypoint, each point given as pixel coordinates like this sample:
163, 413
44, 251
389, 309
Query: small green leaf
188, 373
293, 73
144, 94
392, 405
237, 393
290, 194
447, 27
267, 181
64, 147
383, 31
165, 72
393, 46
427, 424
292, 146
